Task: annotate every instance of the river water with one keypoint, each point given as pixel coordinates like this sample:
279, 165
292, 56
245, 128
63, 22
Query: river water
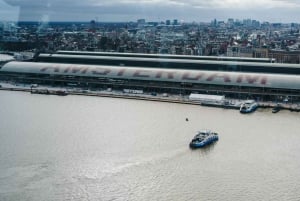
91, 148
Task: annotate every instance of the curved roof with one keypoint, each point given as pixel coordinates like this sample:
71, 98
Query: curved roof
42, 57
5, 58
157, 74
168, 56
254, 67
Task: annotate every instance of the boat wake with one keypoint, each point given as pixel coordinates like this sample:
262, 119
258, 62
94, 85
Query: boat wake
140, 162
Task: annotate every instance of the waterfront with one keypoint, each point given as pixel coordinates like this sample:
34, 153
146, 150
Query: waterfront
92, 148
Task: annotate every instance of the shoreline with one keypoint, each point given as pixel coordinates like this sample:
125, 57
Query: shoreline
234, 103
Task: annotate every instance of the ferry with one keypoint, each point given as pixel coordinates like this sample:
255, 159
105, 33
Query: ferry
203, 138
248, 106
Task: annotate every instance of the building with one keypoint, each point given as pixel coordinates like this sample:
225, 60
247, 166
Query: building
282, 56
233, 84
255, 65
261, 53
240, 51
175, 22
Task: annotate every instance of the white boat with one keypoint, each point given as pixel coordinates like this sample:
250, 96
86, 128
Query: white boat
248, 106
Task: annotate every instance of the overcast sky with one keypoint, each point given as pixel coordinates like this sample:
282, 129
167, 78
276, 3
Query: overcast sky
151, 10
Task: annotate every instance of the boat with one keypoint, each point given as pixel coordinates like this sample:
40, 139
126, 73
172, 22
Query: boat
40, 91
203, 138
276, 109
61, 93
248, 106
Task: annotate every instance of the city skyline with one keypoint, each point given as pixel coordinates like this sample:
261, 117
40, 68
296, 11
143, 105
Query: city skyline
129, 10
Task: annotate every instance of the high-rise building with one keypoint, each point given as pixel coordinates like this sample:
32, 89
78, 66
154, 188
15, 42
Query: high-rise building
247, 22
141, 21
1, 30
175, 22
230, 22
214, 23
93, 26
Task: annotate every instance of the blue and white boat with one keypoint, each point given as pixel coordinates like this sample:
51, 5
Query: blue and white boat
203, 138
248, 106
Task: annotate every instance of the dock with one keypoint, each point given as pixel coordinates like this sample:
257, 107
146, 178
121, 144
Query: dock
227, 104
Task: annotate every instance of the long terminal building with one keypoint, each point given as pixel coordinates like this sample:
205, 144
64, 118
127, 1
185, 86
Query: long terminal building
257, 78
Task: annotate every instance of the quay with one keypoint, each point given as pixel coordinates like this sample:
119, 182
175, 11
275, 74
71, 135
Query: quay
179, 99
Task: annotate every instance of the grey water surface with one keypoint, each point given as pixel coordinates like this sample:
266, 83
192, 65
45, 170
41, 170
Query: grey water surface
91, 148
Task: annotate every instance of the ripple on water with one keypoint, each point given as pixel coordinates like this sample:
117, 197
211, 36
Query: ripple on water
86, 148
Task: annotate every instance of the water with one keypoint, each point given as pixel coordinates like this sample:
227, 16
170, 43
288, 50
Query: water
90, 148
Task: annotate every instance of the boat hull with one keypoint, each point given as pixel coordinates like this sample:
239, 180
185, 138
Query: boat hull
195, 145
275, 110
248, 109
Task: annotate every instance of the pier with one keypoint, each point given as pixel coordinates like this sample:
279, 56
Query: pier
170, 98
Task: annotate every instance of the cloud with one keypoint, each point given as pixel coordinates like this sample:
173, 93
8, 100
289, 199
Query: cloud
7, 12
240, 4
125, 10
217, 4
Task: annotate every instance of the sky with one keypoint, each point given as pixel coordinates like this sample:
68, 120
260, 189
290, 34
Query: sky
152, 10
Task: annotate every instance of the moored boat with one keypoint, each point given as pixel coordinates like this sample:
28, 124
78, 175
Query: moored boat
40, 91
276, 109
61, 93
203, 138
248, 106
